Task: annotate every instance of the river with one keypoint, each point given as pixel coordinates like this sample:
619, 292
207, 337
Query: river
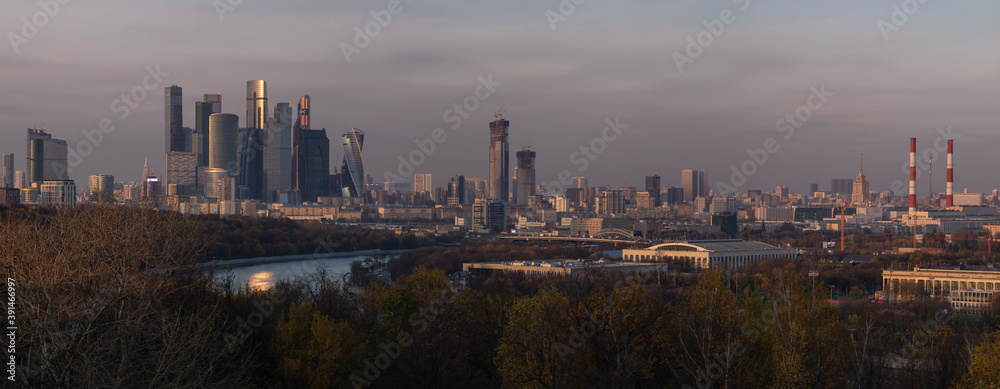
265, 275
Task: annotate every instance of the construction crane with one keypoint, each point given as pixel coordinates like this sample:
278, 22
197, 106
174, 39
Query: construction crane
843, 204
499, 114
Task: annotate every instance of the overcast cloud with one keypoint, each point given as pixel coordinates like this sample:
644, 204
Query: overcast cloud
608, 58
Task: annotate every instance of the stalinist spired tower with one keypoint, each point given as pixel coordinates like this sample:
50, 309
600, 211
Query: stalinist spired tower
861, 194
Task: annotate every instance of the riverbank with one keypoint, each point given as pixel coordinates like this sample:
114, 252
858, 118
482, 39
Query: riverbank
235, 263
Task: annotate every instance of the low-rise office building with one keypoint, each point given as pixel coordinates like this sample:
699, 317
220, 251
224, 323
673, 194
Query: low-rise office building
938, 281
560, 267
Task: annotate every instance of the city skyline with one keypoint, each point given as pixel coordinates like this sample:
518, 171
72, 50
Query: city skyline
928, 74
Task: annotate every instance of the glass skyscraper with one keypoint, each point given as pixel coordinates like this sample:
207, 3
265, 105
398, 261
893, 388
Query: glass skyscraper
499, 179
46, 157
222, 131
524, 184
174, 118
256, 104
211, 104
352, 173
250, 181
313, 164
278, 152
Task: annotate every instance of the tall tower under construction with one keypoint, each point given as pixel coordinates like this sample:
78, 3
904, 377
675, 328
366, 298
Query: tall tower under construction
524, 181
499, 180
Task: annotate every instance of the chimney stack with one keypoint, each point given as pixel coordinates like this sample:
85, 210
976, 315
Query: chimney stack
948, 190
913, 175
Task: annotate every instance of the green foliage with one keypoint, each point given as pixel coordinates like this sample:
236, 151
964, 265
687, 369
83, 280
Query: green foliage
314, 351
245, 237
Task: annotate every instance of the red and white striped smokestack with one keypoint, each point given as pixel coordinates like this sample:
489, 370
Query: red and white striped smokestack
913, 175
951, 178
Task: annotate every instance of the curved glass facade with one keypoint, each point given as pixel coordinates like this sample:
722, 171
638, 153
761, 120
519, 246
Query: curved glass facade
352, 174
222, 140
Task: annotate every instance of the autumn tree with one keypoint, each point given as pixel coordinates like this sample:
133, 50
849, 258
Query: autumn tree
314, 351
536, 350
984, 370
109, 299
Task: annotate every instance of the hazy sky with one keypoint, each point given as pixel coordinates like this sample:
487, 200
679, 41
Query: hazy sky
939, 67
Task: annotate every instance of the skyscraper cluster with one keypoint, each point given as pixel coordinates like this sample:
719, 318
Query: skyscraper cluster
275, 158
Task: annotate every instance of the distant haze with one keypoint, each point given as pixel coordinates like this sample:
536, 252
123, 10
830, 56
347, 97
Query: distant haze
939, 68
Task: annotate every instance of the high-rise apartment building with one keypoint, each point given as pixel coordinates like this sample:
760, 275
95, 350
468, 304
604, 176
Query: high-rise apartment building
813, 188
611, 202
695, 184
174, 118
422, 183
8, 170
499, 178
19, 181
46, 157
580, 182
653, 187
58, 193
781, 191
352, 172
561, 203
524, 184
182, 172
256, 104
102, 188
